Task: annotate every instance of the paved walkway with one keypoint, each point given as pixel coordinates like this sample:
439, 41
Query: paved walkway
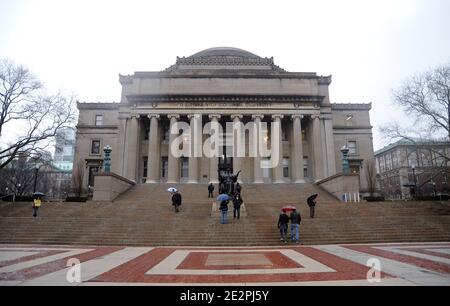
400, 264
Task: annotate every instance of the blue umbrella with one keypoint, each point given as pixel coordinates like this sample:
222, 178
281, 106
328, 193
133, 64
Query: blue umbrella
172, 189
39, 194
223, 197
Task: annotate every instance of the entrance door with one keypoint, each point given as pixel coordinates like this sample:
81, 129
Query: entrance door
225, 165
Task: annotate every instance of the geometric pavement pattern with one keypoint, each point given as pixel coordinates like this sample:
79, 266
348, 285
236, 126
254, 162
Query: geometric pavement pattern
400, 264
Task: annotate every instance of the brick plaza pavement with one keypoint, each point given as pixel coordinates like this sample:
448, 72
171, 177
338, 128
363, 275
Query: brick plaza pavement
400, 264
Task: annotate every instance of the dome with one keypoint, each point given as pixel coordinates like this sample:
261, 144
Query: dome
224, 51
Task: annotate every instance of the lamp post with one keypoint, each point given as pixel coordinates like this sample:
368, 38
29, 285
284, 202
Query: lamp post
36, 170
107, 159
414, 179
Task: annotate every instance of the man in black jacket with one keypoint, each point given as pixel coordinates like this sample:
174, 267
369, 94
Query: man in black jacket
210, 190
312, 205
283, 222
176, 200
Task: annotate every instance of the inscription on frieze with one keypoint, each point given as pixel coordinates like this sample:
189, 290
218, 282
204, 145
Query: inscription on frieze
222, 104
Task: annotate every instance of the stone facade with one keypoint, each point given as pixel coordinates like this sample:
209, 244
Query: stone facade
217, 86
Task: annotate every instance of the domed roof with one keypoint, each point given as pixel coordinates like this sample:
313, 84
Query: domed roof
224, 51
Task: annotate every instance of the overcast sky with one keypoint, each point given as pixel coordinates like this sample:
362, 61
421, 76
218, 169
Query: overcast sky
369, 47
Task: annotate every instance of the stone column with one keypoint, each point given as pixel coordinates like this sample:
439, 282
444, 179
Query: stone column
214, 161
131, 147
257, 171
278, 171
154, 144
297, 159
173, 172
194, 143
317, 149
237, 143
331, 162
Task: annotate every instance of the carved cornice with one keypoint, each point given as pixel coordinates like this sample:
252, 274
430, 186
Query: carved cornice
296, 99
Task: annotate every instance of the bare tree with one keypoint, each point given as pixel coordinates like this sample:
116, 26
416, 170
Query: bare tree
35, 116
371, 178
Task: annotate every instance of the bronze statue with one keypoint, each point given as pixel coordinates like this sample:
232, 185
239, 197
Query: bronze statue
227, 182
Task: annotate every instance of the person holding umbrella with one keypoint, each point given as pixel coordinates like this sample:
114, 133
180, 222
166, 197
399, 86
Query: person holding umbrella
283, 222
223, 199
176, 198
37, 203
312, 204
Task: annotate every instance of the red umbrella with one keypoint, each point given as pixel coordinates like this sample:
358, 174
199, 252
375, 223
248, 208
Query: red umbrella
288, 208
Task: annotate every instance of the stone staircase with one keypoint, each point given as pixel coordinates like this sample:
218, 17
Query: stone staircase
144, 216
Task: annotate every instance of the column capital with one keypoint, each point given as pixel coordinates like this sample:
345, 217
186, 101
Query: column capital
176, 116
134, 116
260, 116
293, 117
277, 116
191, 116
238, 116
214, 116
150, 116
315, 116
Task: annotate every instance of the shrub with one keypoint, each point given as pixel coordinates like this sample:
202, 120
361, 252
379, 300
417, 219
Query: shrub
76, 199
374, 199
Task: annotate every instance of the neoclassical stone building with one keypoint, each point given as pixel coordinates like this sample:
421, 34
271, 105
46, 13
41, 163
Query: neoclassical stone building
223, 85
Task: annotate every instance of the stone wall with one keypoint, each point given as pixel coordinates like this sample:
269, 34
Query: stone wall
340, 184
108, 186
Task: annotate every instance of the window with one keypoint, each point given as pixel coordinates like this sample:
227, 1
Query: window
284, 136
184, 167
305, 166
95, 147
92, 172
352, 147
98, 120
165, 167
145, 162
286, 167
166, 133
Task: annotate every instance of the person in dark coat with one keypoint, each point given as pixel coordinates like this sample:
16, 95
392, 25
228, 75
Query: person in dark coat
176, 201
295, 225
210, 190
283, 222
237, 202
312, 204
223, 211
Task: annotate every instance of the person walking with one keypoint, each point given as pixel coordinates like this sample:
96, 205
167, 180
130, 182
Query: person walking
176, 200
223, 212
295, 225
36, 204
283, 222
237, 202
211, 190
312, 205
